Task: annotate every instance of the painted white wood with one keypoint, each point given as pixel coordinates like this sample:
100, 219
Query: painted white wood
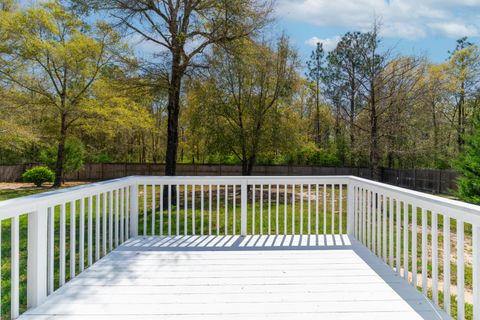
293, 209
201, 210
229, 284
476, 271
424, 251
117, 216
333, 208
178, 210
370, 219
460, 269
15, 269
169, 213
446, 264
145, 192
316, 208
391, 216
185, 209
104, 224
81, 236
62, 256
406, 247
153, 209
210, 209
243, 210
110, 220
324, 209
133, 216
374, 222
435, 257
193, 209
384, 228
73, 238
261, 209
414, 245
90, 231
37, 257
398, 236
226, 209
277, 217
285, 200
97, 227
218, 208
301, 209
234, 199
269, 209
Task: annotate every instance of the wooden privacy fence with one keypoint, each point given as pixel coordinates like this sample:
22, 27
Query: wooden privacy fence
428, 180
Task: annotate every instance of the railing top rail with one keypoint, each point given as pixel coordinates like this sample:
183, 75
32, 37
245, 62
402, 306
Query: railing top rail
239, 179
32, 202
424, 198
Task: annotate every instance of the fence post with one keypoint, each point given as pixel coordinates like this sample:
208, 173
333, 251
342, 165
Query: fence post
134, 210
350, 208
243, 207
37, 257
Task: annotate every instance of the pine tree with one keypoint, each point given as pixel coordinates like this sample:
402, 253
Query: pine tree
468, 164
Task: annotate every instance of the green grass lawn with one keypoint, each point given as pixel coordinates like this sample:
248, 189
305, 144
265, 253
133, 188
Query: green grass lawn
218, 222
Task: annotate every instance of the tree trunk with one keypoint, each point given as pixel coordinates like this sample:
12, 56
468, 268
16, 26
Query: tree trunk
60, 154
173, 114
172, 127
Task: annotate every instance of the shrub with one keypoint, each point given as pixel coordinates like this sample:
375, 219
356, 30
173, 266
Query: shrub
38, 176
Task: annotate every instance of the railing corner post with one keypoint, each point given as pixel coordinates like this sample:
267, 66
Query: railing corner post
350, 208
244, 204
134, 210
37, 257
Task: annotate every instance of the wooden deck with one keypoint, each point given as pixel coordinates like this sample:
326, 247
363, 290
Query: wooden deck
260, 277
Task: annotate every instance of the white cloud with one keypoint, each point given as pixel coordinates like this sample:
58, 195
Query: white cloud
454, 29
328, 44
409, 19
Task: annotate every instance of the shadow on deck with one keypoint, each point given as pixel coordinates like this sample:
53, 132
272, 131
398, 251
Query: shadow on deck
234, 277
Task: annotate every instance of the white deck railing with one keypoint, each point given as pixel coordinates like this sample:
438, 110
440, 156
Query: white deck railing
77, 226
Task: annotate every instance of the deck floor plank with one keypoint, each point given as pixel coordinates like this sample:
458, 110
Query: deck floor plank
233, 278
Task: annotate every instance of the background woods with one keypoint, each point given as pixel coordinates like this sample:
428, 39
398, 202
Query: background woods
219, 87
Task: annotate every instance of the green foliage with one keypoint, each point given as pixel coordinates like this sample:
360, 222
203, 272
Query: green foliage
312, 155
38, 175
468, 164
74, 156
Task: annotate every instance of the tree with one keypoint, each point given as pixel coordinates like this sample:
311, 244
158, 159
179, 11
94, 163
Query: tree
372, 64
468, 164
184, 29
464, 67
64, 57
315, 73
346, 61
244, 98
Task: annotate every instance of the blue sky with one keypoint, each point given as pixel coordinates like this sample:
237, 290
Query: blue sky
421, 27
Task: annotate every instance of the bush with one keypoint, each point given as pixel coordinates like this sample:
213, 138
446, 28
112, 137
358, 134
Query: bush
38, 176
